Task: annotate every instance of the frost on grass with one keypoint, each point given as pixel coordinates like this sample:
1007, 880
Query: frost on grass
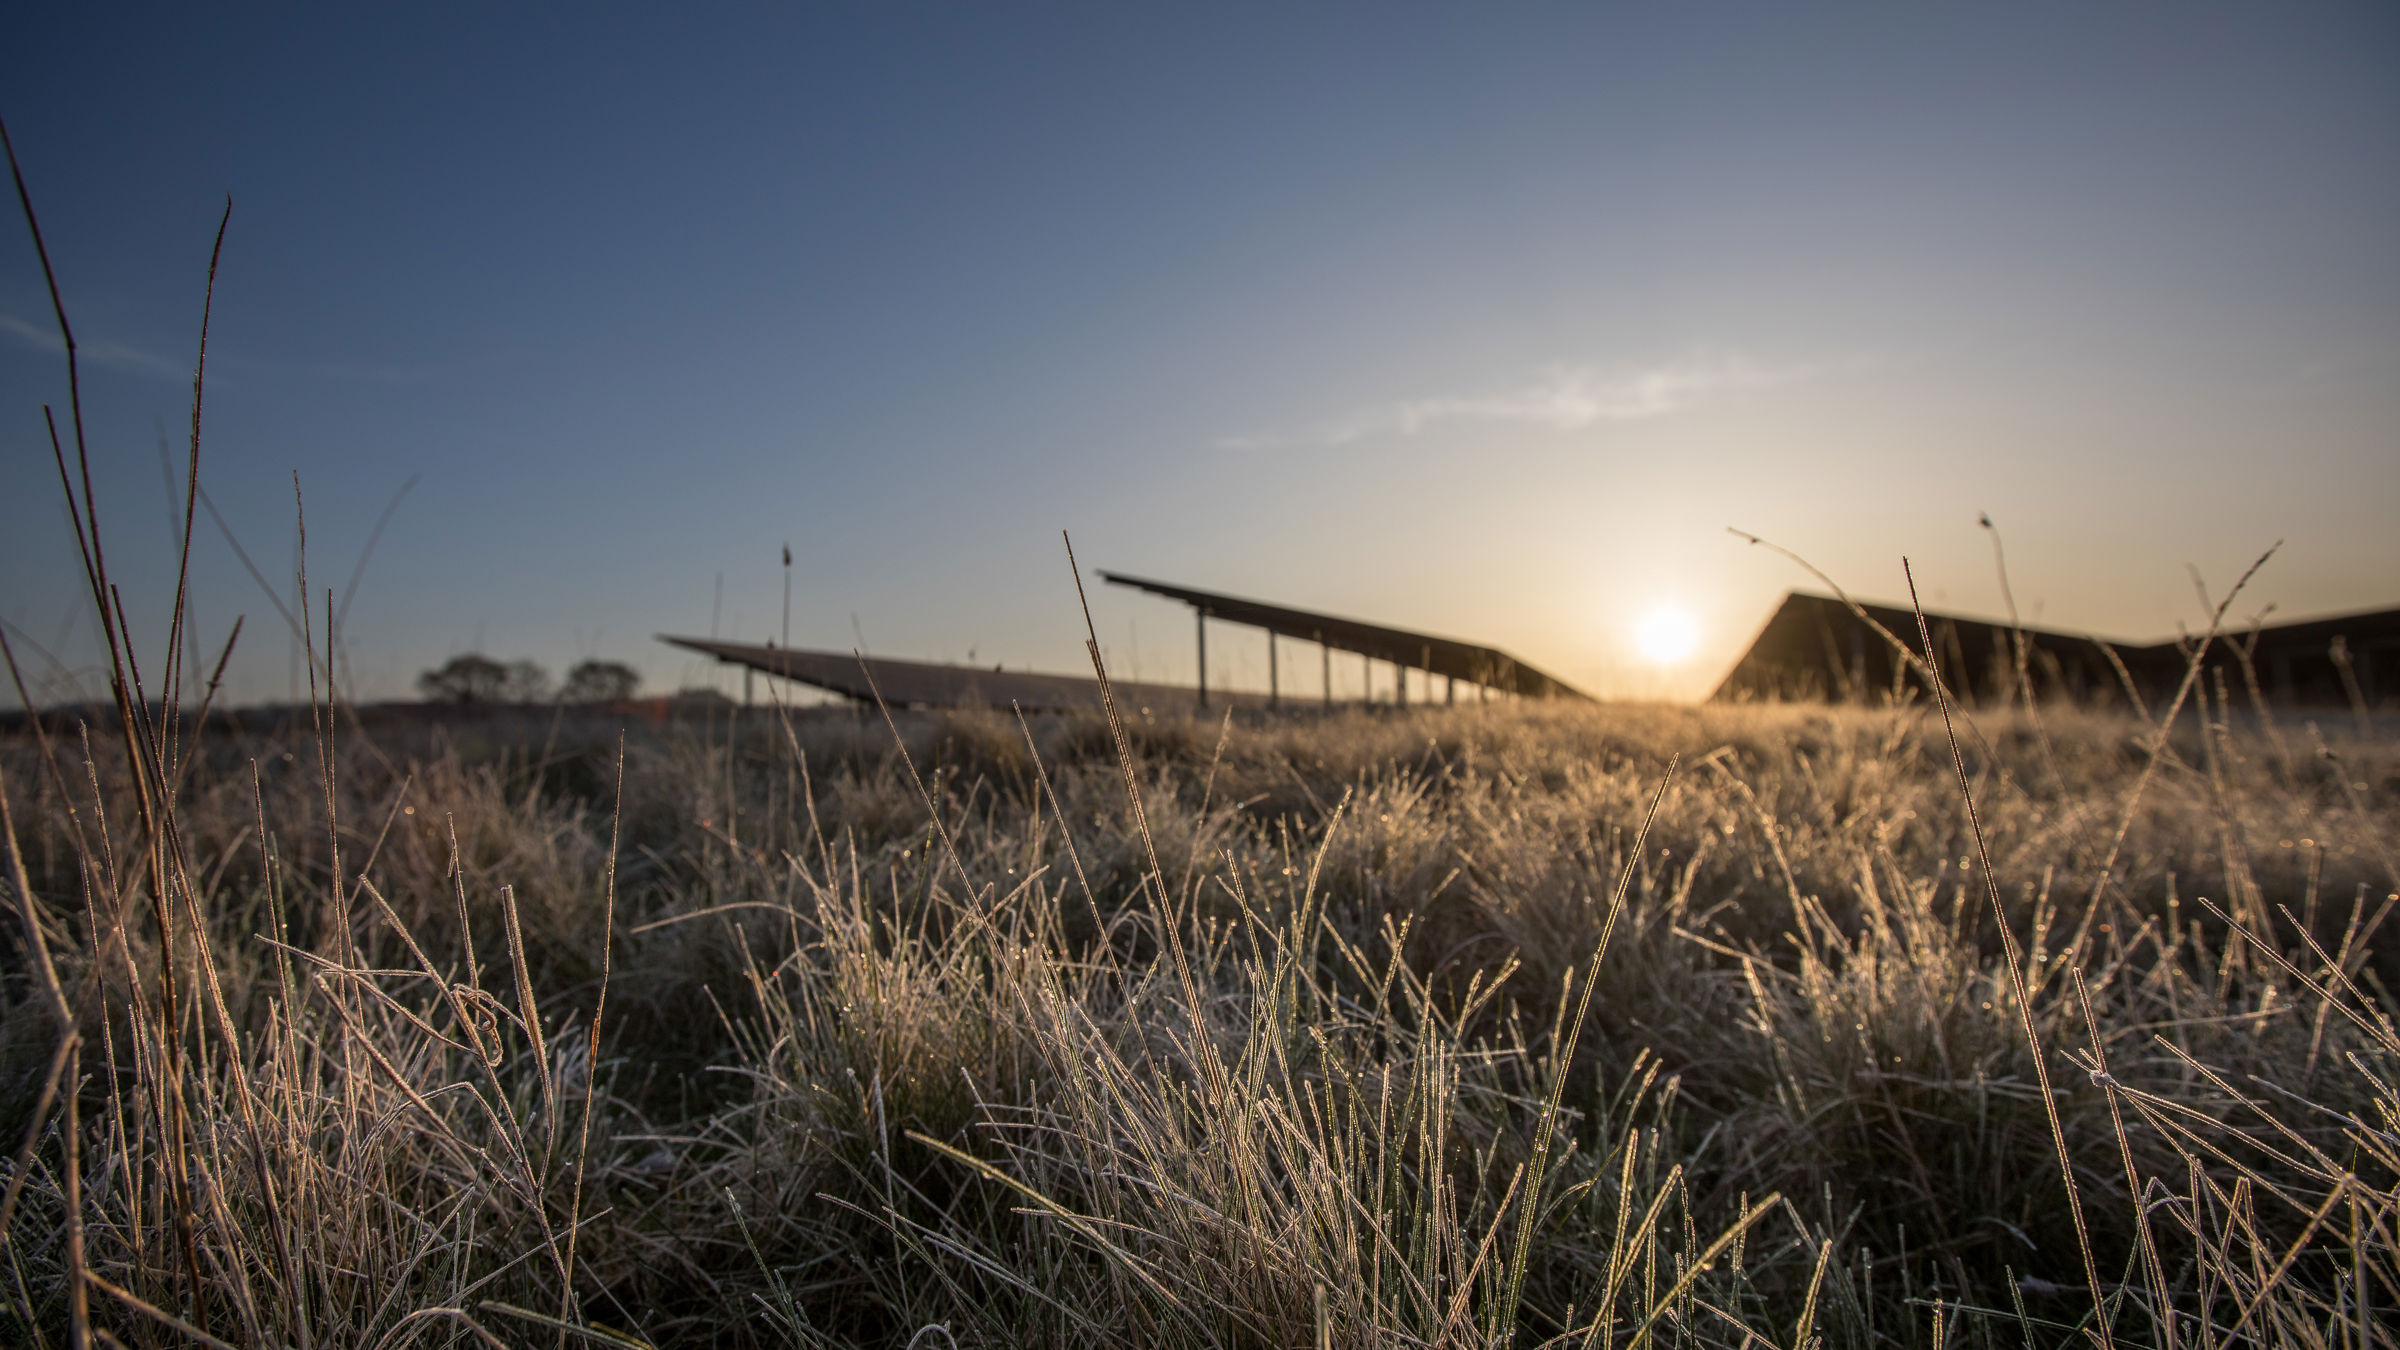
1326, 1059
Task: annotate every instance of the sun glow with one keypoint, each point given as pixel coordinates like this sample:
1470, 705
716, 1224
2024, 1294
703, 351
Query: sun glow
1667, 636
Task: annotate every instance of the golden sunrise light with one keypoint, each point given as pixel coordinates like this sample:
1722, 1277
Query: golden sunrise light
1666, 636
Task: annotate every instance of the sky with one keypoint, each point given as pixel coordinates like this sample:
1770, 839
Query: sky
1490, 321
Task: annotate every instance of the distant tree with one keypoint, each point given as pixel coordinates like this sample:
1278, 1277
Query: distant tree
526, 683
476, 678
600, 682
472, 678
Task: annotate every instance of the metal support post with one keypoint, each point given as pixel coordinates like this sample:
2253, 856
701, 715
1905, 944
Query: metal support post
1274, 690
1327, 653
1200, 620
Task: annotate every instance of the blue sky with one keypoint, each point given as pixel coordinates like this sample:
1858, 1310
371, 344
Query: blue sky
1484, 320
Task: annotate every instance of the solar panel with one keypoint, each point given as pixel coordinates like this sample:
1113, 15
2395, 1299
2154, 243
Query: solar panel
1474, 662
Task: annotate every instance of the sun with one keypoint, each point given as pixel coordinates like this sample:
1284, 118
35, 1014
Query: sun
1666, 635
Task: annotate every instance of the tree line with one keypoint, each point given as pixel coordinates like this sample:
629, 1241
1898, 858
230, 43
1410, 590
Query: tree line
476, 678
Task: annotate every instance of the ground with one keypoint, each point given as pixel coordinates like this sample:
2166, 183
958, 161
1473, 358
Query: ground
1572, 1024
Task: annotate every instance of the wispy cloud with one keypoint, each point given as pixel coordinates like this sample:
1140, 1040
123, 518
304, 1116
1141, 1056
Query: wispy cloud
1559, 397
98, 351
43, 337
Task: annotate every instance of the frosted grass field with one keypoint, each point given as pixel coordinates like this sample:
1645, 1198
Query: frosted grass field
926, 1026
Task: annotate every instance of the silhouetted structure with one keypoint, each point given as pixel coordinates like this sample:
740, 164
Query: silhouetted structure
1814, 648
1481, 666
922, 684
927, 684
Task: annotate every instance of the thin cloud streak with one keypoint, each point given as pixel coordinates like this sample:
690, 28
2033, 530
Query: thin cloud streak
1559, 398
229, 365
99, 351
